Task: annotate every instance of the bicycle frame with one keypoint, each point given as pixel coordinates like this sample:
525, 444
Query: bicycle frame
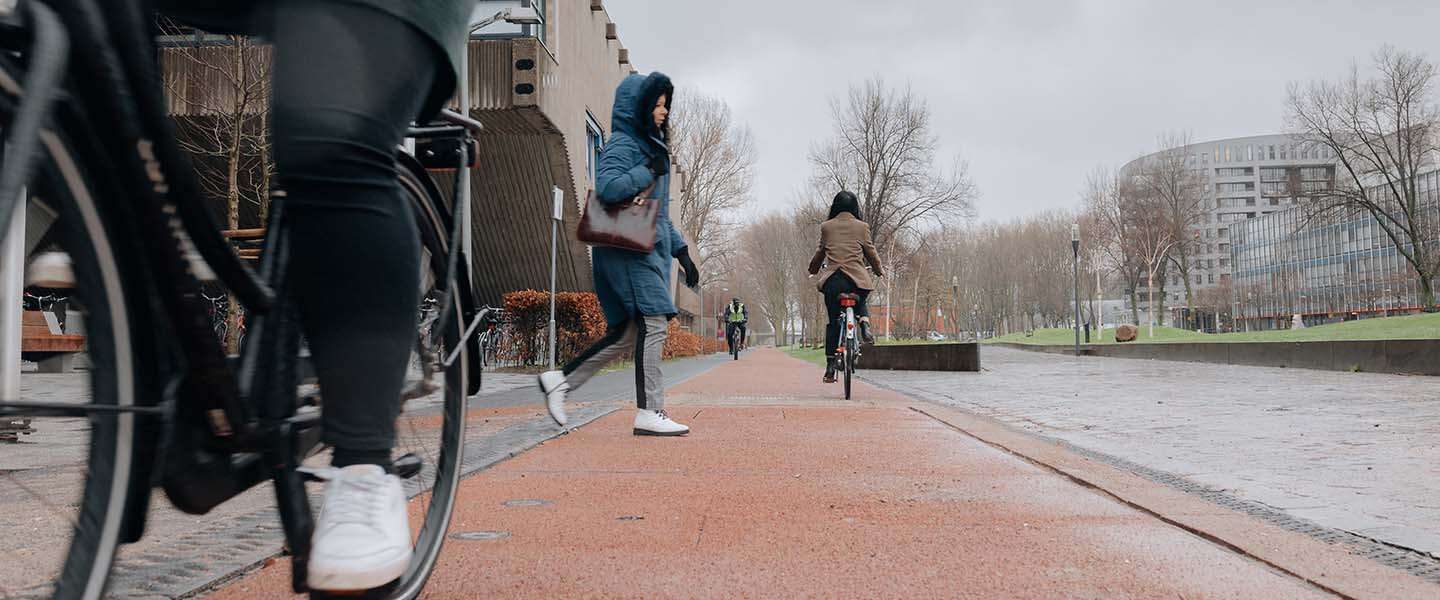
220, 428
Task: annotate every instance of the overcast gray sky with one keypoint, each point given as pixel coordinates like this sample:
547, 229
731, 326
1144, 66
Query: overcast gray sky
1032, 93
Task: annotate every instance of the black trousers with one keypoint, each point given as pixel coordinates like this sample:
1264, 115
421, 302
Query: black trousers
347, 81
840, 283
735, 334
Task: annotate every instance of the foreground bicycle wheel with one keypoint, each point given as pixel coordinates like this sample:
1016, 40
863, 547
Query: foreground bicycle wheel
87, 472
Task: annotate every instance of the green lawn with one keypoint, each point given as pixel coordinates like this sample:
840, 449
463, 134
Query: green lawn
814, 355
1409, 327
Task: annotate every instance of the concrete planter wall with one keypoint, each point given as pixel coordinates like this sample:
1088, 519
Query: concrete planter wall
921, 357
1414, 357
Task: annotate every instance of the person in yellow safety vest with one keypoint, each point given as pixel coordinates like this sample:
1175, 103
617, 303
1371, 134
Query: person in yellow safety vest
736, 317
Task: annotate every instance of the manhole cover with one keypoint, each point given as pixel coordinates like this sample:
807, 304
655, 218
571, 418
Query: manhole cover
527, 502
472, 536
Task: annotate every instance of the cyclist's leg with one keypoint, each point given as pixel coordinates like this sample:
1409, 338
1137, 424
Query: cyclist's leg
348, 79
834, 286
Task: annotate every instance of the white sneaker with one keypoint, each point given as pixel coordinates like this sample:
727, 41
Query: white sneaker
656, 422
554, 386
51, 270
362, 539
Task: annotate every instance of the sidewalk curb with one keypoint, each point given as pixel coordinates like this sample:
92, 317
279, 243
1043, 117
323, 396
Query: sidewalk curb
1325, 566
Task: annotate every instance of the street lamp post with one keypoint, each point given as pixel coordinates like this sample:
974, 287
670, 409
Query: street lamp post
955, 302
1075, 248
557, 215
718, 324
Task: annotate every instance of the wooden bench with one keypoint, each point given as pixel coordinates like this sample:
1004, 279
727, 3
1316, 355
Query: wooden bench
42, 341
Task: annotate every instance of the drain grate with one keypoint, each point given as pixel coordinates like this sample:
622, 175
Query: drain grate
479, 536
526, 502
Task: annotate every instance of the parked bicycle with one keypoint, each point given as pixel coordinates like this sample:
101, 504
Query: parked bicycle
87, 136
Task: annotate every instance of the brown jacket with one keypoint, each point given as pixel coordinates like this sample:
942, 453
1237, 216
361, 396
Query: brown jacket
845, 246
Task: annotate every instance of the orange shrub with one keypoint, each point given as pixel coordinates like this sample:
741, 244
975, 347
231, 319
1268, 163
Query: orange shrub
578, 323
680, 343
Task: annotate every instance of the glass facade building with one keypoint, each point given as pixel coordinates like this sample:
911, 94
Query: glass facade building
1326, 270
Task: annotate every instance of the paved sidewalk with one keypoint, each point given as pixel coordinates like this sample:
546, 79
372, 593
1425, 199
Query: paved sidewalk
182, 553
1358, 452
785, 490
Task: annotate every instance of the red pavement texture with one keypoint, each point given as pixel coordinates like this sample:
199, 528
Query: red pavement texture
783, 490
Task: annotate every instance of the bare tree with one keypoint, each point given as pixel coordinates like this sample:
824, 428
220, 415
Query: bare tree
1154, 239
1179, 192
718, 155
1382, 132
219, 92
1107, 204
883, 150
772, 256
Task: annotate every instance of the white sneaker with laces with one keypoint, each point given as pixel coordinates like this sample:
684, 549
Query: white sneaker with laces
362, 539
656, 422
554, 386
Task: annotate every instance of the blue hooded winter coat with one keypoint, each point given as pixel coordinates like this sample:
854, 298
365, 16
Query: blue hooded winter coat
629, 283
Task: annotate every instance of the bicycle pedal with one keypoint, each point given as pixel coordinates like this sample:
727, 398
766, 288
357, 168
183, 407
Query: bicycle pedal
408, 466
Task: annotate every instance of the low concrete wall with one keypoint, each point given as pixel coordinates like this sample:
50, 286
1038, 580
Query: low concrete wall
1412, 357
921, 357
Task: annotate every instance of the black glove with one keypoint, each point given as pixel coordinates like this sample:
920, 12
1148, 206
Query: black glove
692, 272
659, 165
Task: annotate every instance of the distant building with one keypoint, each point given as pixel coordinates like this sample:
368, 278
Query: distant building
1246, 178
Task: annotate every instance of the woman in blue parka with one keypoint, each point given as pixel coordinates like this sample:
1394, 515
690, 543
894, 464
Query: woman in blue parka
633, 287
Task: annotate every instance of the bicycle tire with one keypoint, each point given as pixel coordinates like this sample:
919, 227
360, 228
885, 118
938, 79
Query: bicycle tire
849, 365
118, 345
435, 486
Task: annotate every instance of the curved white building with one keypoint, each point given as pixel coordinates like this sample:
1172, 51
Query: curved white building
1247, 177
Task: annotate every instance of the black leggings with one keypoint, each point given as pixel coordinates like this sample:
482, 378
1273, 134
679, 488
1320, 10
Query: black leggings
840, 283
347, 81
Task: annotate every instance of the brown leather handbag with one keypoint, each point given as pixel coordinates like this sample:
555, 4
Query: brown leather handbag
628, 225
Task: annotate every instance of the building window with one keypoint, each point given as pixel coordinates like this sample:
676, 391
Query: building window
1272, 152
1273, 175
1315, 173
1235, 172
594, 139
1248, 186
1274, 187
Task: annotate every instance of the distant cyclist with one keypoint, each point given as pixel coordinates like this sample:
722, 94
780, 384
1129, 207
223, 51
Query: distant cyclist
737, 316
